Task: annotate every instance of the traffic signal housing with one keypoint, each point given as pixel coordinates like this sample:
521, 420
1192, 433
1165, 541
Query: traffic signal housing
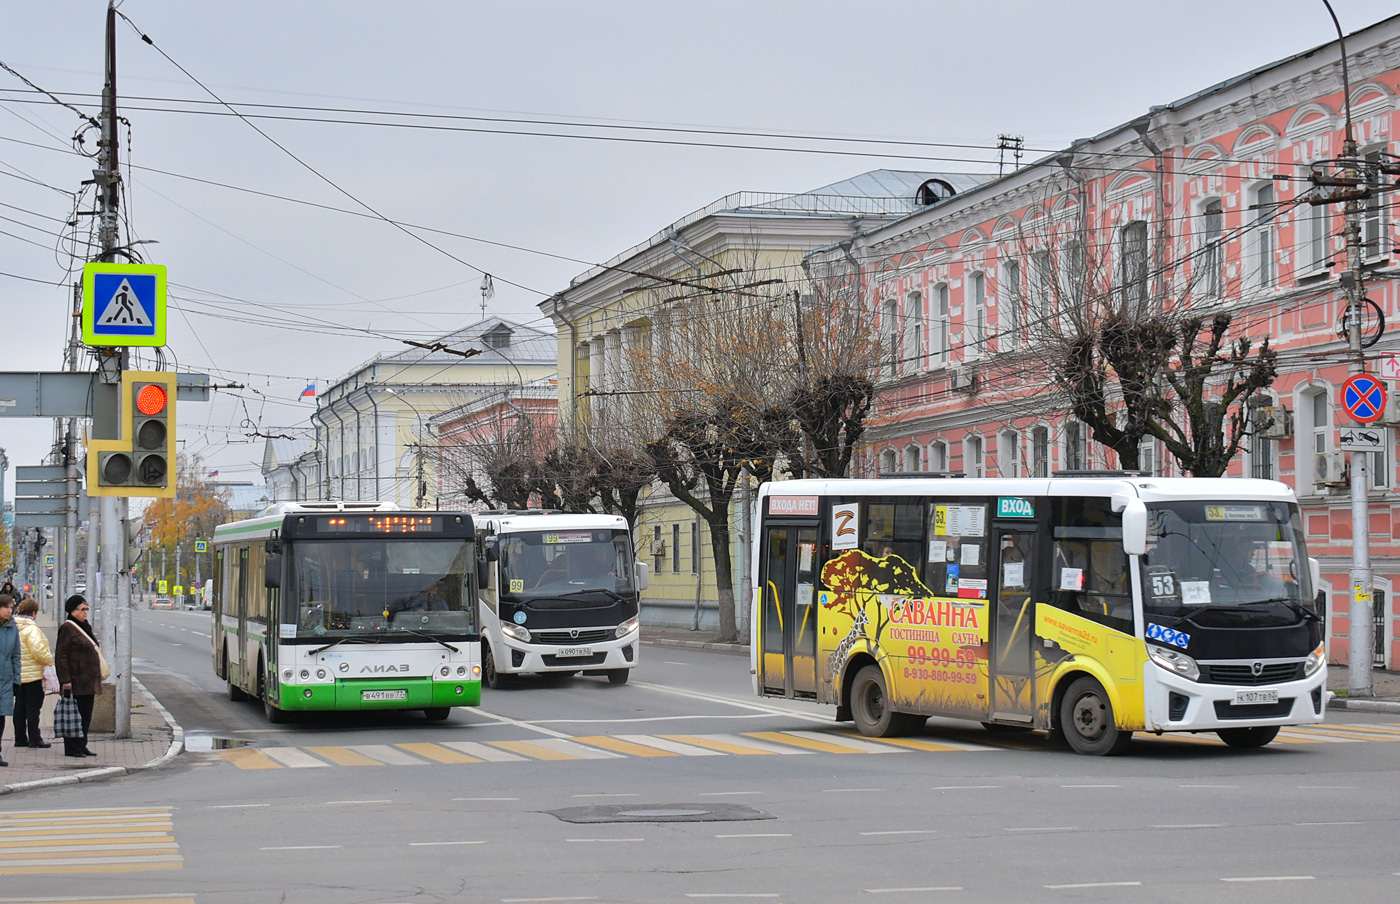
142, 461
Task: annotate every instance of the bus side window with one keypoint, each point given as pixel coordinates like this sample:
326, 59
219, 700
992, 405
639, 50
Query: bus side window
1090, 570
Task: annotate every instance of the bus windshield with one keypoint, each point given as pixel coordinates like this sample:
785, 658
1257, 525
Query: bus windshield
1227, 564
344, 588
567, 567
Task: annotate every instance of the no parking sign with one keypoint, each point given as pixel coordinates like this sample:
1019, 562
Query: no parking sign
1364, 398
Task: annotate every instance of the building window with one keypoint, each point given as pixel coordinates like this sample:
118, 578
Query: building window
1147, 456
940, 325
695, 547
1132, 265
938, 457
1319, 239
1076, 448
1264, 243
974, 463
911, 460
976, 315
675, 549
1213, 251
1373, 221
913, 332
888, 464
1072, 287
1380, 461
1009, 454
1321, 423
1040, 452
890, 316
1009, 306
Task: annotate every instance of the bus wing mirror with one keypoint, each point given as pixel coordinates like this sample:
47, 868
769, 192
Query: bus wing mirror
483, 572
493, 549
1134, 524
272, 571
1315, 570
643, 575
272, 545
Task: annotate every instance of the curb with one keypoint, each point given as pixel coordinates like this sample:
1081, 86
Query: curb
1364, 706
177, 745
733, 649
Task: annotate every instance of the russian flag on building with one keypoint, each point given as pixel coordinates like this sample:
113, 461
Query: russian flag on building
214, 473
309, 392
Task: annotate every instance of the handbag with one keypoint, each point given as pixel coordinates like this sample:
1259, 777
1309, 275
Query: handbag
67, 721
101, 660
50, 680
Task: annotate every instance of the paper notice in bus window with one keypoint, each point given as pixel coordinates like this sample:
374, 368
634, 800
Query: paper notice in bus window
804, 556
970, 553
937, 550
972, 588
1013, 575
1195, 593
952, 524
804, 594
973, 520
1071, 579
287, 630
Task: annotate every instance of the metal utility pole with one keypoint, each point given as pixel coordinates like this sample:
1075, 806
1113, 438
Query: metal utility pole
115, 601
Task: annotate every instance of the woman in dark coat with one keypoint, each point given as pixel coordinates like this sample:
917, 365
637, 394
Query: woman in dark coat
79, 668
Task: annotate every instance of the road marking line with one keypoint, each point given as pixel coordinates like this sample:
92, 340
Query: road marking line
676, 747
344, 756
1268, 879
87, 842
935, 746
57, 816
734, 744
248, 758
519, 724
10, 868
145, 864
628, 747
1096, 885
482, 752
816, 741
118, 853
904, 832
439, 753
97, 831
294, 758
386, 754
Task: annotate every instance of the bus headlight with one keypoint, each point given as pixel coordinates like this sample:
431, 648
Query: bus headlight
446, 670
461, 670
1316, 660
1175, 662
628, 626
519, 632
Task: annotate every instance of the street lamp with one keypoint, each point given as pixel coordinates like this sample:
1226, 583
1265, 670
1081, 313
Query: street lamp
421, 498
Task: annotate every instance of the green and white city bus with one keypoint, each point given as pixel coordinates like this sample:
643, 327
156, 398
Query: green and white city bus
347, 606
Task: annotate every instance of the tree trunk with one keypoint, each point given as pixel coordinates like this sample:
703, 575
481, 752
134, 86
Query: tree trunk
724, 573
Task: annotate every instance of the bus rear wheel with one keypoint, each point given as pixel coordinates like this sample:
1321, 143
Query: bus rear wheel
1086, 715
871, 710
437, 713
1258, 736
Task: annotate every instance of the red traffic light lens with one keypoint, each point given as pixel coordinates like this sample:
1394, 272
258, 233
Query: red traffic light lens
151, 399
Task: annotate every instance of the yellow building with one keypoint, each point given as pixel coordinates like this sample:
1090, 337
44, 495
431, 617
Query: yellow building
605, 314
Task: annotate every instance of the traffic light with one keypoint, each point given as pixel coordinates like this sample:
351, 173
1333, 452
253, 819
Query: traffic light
141, 463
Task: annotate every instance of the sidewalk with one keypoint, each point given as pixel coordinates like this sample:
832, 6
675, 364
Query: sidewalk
1385, 686
155, 740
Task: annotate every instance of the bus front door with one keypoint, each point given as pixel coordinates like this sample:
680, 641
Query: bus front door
789, 628
1013, 626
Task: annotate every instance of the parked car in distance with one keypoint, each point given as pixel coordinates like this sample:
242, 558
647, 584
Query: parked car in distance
80, 587
163, 602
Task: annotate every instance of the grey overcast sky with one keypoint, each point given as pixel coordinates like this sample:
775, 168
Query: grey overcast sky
276, 294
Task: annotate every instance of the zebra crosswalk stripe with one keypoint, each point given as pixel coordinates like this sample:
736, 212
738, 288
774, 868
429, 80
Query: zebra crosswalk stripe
87, 841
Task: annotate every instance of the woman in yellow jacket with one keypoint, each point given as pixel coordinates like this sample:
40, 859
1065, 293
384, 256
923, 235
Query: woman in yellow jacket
34, 654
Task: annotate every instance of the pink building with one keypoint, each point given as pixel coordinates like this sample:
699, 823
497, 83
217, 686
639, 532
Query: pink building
515, 419
1201, 205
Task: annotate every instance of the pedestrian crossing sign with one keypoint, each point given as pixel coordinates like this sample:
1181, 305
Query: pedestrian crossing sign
164, 587
124, 304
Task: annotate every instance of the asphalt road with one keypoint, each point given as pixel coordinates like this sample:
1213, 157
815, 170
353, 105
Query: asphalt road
397, 809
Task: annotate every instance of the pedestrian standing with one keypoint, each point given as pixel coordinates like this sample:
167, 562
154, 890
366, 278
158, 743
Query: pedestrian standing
79, 667
34, 654
9, 661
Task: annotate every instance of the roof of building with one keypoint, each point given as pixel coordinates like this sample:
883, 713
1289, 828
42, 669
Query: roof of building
494, 337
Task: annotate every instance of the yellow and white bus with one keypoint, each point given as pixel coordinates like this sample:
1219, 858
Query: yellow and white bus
1087, 606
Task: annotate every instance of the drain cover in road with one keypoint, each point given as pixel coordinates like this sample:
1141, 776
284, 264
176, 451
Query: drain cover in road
661, 813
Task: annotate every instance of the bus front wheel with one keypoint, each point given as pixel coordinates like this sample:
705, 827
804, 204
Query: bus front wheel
489, 676
618, 676
1086, 716
273, 714
1248, 737
871, 706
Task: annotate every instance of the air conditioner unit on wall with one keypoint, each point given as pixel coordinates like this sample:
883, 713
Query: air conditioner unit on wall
1391, 416
1273, 422
963, 379
1330, 469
